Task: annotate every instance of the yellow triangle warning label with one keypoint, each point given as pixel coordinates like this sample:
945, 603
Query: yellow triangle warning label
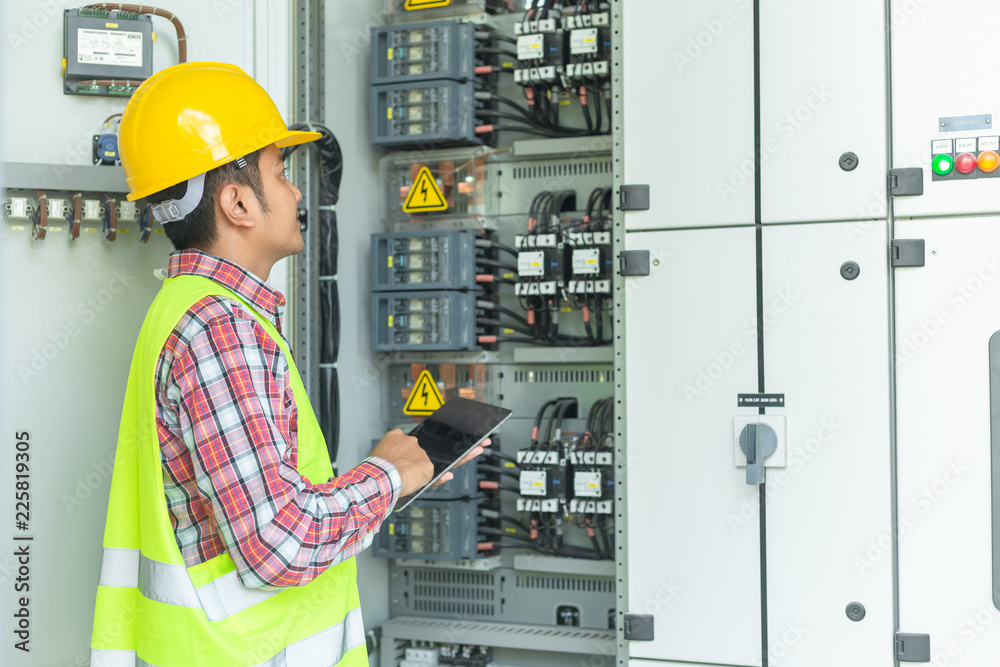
424, 397
425, 4
425, 195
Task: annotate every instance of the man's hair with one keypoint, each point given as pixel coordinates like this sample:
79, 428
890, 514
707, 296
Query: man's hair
198, 229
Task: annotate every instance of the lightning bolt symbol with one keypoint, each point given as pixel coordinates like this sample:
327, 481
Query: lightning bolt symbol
423, 394
423, 191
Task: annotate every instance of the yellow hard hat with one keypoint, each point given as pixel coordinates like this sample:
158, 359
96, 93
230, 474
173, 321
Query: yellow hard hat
190, 118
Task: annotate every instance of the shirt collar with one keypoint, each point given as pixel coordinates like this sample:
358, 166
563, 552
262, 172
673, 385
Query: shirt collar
267, 301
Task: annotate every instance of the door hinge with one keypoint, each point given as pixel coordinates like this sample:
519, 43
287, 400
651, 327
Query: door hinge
907, 252
633, 263
906, 182
633, 198
639, 627
913, 648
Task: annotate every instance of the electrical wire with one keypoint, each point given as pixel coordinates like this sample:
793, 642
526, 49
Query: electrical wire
154, 11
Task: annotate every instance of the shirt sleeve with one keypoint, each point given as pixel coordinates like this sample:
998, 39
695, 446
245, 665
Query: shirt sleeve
239, 421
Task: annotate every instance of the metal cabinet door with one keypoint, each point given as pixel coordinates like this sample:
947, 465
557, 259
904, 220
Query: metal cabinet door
942, 68
822, 95
691, 347
688, 123
946, 314
826, 347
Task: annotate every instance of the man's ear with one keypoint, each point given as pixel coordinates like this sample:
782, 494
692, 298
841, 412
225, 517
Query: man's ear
232, 207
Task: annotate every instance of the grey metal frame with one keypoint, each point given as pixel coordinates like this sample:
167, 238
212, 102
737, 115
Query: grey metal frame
618, 245
308, 92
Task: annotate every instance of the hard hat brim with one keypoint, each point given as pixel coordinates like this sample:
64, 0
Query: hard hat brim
294, 138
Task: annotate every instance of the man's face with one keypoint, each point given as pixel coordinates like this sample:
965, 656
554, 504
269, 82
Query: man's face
280, 228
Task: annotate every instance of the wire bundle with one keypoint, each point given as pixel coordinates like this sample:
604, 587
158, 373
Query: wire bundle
331, 164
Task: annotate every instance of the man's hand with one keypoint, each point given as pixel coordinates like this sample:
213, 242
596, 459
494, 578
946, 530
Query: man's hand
411, 462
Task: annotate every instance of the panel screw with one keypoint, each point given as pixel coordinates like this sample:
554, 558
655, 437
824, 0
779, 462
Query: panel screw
656, 262
848, 161
850, 270
855, 611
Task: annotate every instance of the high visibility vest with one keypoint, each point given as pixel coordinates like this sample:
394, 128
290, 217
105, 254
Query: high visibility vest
153, 610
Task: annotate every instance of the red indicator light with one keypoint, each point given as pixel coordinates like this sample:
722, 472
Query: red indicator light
965, 163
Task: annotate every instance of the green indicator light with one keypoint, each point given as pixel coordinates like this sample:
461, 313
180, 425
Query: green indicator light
942, 164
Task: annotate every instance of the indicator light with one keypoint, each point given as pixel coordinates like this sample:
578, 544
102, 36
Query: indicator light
942, 164
965, 163
988, 161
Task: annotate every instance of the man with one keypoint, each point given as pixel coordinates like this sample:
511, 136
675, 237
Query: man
227, 543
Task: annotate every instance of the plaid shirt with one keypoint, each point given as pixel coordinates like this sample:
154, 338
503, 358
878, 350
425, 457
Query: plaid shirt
227, 427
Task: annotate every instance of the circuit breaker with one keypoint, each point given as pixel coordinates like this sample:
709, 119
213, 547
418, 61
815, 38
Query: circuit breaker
106, 52
426, 320
539, 264
424, 260
431, 530
438, 112
588, 53
423, 51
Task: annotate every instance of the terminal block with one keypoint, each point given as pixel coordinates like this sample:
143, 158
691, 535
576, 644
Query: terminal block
423, 321
424, 260
423, 51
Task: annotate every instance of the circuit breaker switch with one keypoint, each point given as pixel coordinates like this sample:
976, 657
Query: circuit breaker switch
758, 441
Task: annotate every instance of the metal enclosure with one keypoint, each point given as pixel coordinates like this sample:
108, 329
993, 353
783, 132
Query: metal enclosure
946, 316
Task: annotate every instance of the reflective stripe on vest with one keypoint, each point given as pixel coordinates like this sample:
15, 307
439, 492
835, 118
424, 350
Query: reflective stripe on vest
325, 648
171, 584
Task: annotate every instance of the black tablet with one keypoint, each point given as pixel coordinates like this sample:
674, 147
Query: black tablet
451, 432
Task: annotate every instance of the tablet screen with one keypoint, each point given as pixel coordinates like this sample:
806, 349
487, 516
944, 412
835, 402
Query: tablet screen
452, 432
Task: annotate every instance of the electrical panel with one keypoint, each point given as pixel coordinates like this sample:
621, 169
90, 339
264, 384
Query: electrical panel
424, 260
427, 320
491, 255
422, 51
106, 52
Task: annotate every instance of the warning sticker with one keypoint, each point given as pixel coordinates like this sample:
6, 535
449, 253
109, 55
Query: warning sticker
425, 195
425, 4
425, 397
109, 47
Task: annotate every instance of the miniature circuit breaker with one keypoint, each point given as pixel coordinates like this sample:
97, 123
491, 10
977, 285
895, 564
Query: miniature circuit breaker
424, 321
424, 113
424, 260
423, 51
430, 530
